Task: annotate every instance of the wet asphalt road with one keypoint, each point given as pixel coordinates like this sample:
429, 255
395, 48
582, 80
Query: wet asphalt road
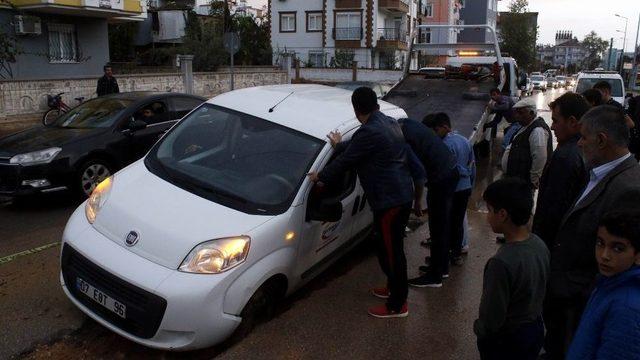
326, 319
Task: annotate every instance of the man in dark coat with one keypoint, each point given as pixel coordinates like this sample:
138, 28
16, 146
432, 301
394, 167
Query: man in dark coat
107, 84
563, 178
614, 183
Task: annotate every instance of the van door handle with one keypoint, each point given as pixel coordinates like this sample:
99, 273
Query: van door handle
356, 204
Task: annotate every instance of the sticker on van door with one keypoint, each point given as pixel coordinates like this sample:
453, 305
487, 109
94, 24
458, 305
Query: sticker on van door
330, 232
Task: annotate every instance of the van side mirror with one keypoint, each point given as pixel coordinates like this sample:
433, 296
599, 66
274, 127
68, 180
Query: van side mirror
327, 210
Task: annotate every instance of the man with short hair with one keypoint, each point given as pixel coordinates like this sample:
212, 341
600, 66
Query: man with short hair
613, 184
530, 148
466, 166
442, 176
604, 87
392, 178
501, 106
563, 178
107, 84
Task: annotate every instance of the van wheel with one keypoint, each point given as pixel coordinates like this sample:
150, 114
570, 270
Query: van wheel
260, 308
90, 174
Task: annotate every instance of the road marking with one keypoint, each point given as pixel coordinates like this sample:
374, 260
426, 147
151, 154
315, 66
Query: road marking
35, 250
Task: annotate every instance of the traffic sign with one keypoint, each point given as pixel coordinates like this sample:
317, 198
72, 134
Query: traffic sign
231, 42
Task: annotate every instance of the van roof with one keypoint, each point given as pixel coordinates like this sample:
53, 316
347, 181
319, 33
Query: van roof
315, 110
459, 60
600, 75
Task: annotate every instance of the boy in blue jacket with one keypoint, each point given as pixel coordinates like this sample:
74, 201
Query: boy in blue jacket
610, 324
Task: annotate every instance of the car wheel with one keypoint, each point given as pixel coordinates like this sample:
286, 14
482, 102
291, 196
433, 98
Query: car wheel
92, 173
259, 308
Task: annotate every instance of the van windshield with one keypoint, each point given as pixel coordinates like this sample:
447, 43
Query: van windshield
240, 161
585, 84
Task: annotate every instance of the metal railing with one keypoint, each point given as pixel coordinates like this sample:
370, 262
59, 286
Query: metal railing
393, 34
349, 33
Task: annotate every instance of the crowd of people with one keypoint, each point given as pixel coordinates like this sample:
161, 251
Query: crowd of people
565, 276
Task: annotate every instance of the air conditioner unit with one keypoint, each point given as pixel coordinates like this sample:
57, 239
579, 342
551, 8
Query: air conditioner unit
27, 25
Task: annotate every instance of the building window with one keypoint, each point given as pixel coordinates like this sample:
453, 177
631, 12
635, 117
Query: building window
314, 21
429, 10
348, 26
425, 37
316, 59
288, 21
63, 45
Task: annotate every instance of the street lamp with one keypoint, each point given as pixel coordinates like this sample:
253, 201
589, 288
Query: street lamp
624, 42
634, 69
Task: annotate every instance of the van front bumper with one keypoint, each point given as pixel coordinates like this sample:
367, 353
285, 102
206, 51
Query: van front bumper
165, 308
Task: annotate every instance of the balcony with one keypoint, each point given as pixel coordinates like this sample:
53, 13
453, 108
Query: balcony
89, 8
349, 37
348, 4
401, 6
392, 38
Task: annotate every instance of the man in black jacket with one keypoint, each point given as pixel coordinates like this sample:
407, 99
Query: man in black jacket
442, 178
563, 178
107, 84
392, 178
613, 184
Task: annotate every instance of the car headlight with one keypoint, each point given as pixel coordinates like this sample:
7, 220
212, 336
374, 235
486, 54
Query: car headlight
97, 199
36, 157
216, 256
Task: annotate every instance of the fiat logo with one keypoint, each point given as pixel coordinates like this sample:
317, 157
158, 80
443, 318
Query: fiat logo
132, 238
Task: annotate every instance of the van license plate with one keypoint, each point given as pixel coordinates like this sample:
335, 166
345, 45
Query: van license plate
101, 298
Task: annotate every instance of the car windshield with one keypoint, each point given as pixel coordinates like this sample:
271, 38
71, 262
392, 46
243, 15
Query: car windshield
560, 78
237, 160
585, 84
537, 78
95, 113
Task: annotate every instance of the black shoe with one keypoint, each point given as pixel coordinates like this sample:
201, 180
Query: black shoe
428, 269
426, 280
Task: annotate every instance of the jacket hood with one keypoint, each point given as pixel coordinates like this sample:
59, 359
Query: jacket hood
40, 138
630, 276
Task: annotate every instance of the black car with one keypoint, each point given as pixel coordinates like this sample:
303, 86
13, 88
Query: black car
89, 143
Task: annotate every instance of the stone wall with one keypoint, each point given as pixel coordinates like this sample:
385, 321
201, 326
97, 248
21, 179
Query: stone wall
341, 75
19, 97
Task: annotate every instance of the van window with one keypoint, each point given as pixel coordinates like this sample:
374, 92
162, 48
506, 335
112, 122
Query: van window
235, 159
585, 84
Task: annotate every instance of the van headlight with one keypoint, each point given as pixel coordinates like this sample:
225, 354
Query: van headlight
35, 157
216, 256
97, 199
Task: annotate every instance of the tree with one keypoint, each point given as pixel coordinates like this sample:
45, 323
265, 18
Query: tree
121, 37
518, 36
595, 47
9, 49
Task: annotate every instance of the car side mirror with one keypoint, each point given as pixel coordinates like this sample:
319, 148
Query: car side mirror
326, 210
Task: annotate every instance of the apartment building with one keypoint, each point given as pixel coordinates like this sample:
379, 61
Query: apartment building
478, 12
568, 51
333, 33
62, 38
438, 12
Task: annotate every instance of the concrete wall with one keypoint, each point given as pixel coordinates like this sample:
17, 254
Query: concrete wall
29, 96
93, 46
341, 75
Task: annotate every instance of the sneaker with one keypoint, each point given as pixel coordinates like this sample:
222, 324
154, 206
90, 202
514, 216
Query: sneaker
426, 280
381, 292
382, 312
427, 269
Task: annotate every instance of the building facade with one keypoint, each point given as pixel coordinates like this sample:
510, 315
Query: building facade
439, 12
567, 52
334, 33
62, 38
478, 12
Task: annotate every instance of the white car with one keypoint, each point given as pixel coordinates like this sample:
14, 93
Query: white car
562, 81
539, 82
587, 79
219, 219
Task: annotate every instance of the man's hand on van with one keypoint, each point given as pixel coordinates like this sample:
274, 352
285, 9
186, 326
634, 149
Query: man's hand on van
313, 176
335, 138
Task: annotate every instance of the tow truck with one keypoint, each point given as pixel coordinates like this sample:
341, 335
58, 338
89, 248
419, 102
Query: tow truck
464, 98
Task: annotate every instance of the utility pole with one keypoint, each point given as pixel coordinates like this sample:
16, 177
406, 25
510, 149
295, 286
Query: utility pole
634, 69
609, 58
624, 42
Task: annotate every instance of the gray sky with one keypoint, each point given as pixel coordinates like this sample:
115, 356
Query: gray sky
582, 16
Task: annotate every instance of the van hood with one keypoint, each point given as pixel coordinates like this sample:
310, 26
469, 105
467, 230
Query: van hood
169, 221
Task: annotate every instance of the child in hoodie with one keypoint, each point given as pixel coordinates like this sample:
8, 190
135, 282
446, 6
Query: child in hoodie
610, 324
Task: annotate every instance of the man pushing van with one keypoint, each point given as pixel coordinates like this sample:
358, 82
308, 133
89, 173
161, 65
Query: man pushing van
392, 178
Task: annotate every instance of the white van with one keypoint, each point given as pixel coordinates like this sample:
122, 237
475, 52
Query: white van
218, 220
587, 79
